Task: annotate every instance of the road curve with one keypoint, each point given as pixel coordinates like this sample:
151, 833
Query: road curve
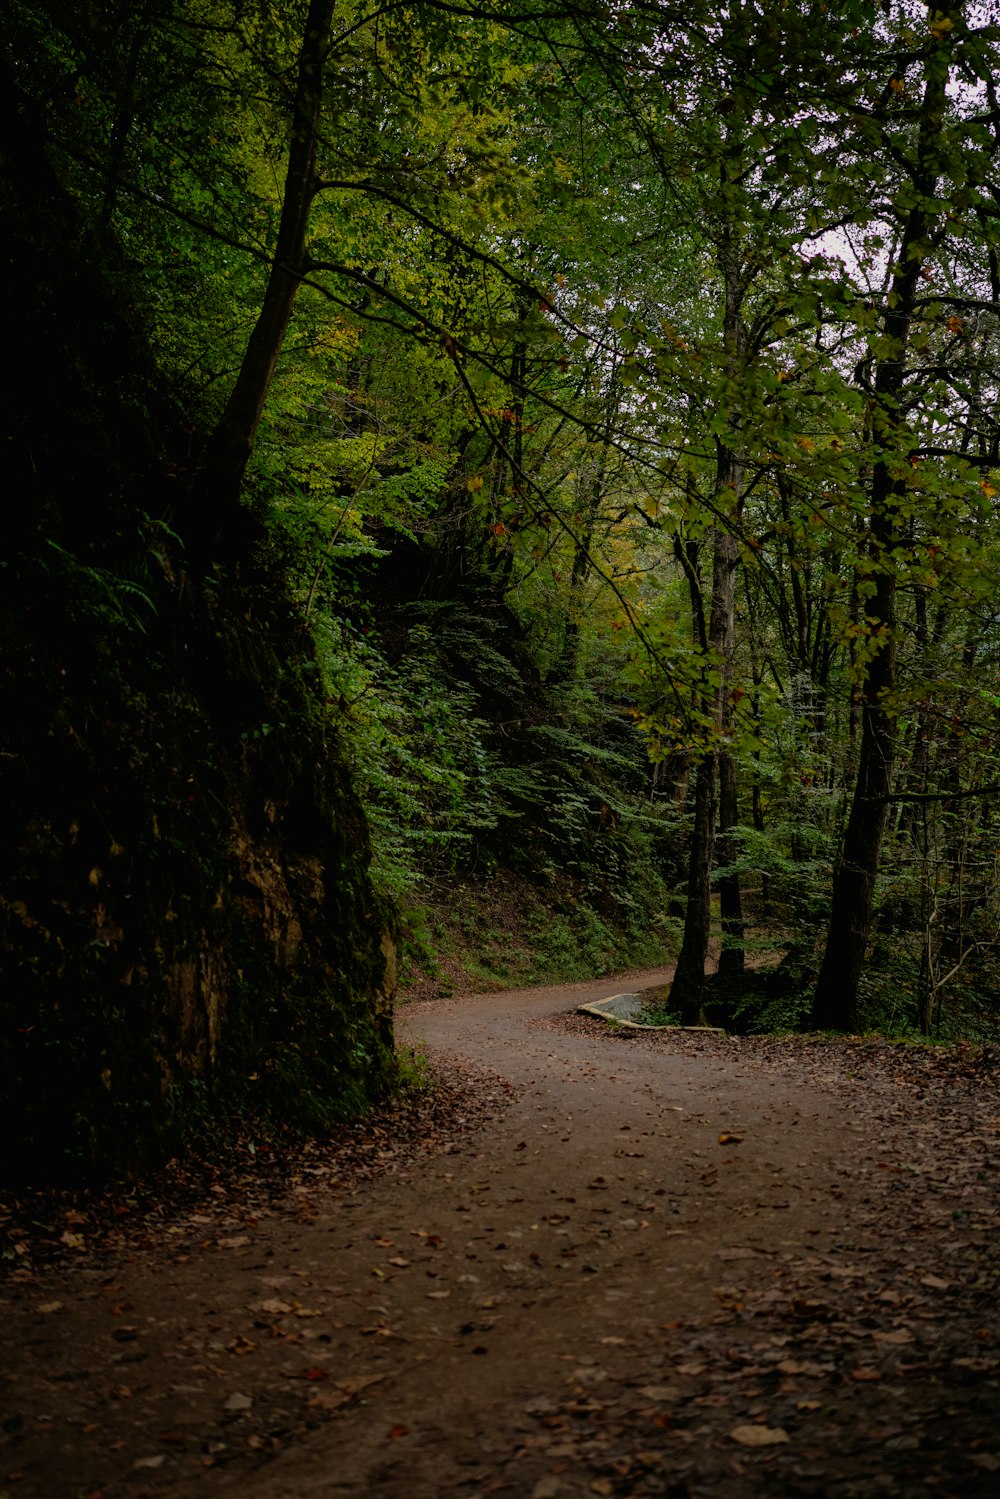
599, 1211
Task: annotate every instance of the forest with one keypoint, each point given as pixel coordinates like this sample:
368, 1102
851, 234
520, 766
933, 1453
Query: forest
512, 485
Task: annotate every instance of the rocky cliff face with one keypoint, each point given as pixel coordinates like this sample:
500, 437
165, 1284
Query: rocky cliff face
188, 926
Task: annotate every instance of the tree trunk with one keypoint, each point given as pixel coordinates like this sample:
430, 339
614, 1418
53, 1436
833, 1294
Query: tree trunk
731, 958
232, 441
592, 484
835, 1004
688, 989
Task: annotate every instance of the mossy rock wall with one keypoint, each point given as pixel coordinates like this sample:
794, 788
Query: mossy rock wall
188, 925
189, 932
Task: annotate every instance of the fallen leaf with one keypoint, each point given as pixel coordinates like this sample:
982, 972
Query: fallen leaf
897, 1335
342, 1392
759, 1436
238, 1402
352, 1387
272, 1307
667, 1393
150, 1462
397, 1431
49, 1306
315, 1374
729, 1139
547, 1487
804, 1306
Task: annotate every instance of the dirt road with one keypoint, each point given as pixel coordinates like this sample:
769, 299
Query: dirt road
671, 1264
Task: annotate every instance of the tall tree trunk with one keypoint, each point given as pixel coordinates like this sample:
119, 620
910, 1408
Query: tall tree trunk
835, 1004
687, 992
732, 958
592, 485
688, 989
230, 445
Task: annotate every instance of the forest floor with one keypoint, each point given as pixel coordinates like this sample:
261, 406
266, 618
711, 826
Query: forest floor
586, 1261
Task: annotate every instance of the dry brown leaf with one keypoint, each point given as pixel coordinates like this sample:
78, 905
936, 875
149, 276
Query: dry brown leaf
352, 1387
897, 1335
759, 1436
547, 1487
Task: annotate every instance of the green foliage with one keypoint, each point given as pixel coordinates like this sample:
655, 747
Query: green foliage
414, 1066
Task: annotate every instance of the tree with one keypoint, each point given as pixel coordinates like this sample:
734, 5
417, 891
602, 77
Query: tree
232, 440
929, 150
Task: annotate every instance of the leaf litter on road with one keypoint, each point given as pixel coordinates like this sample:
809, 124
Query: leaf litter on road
878, 1337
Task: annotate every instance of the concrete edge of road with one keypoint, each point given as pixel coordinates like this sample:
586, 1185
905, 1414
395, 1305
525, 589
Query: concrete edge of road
618, 1009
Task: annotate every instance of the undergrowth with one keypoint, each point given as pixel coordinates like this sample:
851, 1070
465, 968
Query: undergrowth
507, 931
